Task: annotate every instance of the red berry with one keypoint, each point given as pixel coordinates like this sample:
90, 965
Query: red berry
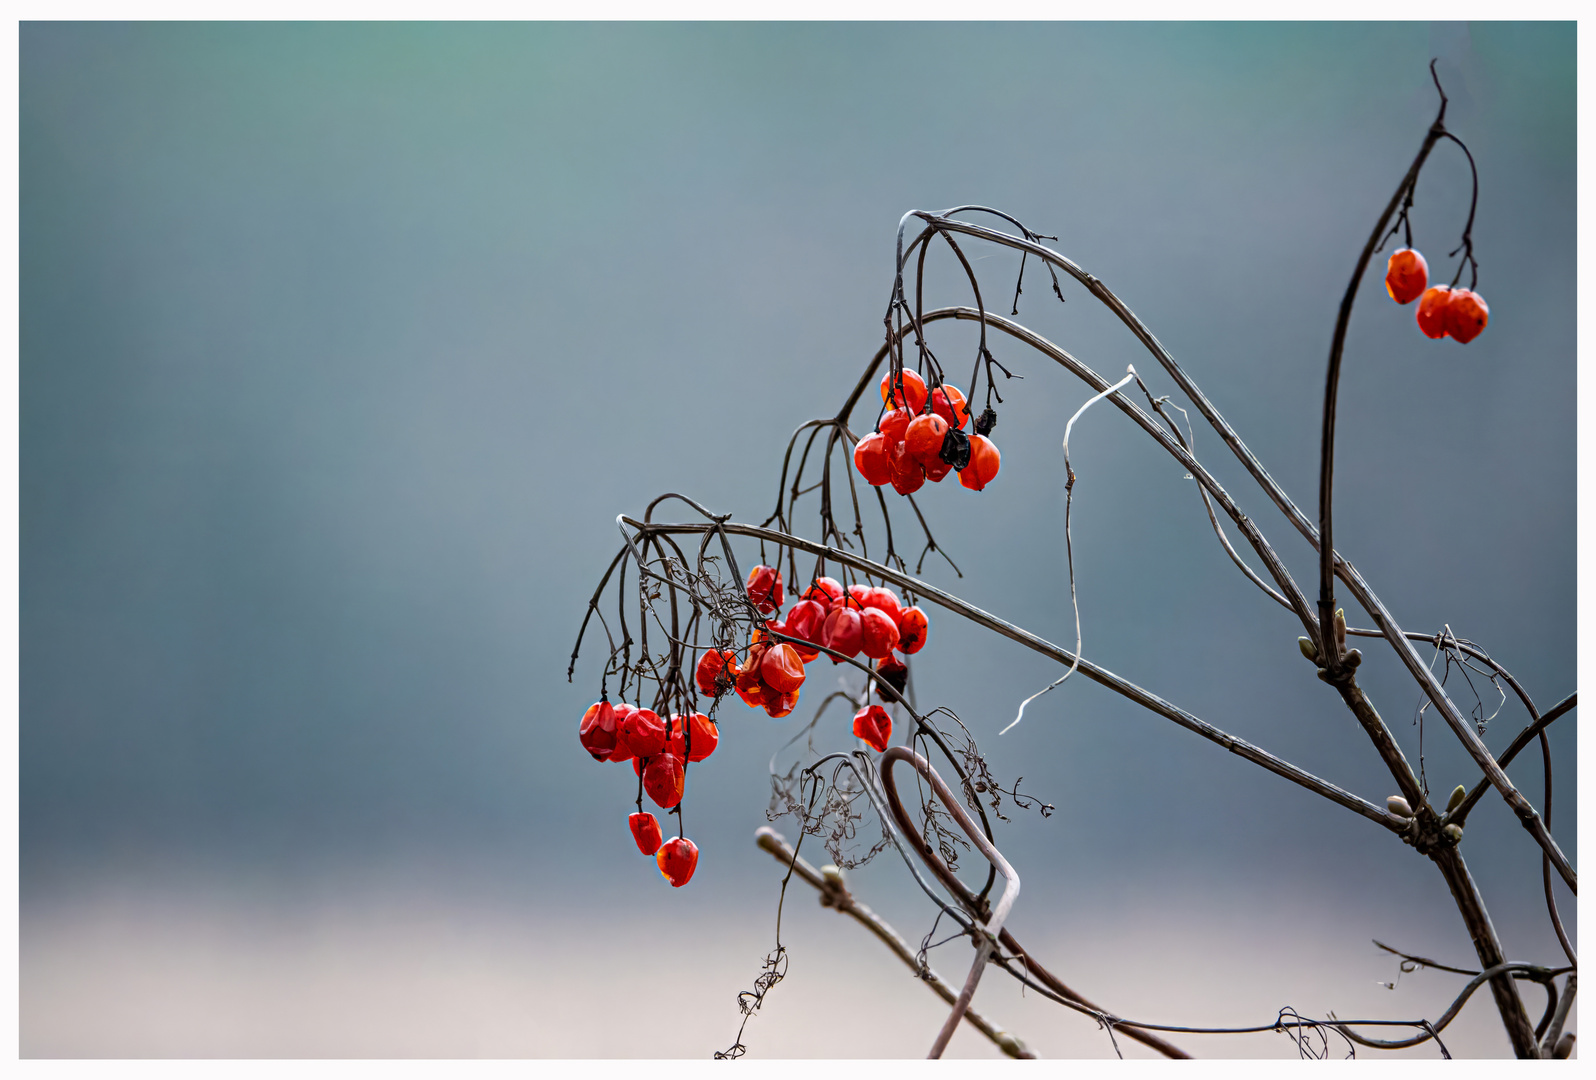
1432, 311
878, 634
948, 402
825, 591
622, 752
871, 459
924, 437
1466, 315
663, 779
803, 621
1406, 274
750, 684
677, 860
912, 629
882, 598
893, 426
778, 705
912, 395
841, 631
894, 672
714, 673
598, 730
644, 733
908, 475
706, 736
938, 470
782, 669
764, 588
645, 830
874, 726
983, 466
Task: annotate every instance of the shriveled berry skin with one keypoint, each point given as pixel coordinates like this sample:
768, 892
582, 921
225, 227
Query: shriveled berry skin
841, 632
803, 621
874, 726
983, 466
1406, 275
1431, 314
937, 470
924, 438
644, 733
908, 475
782, 668
947, 401
622, 752
706, 736
663, 779
677, 859
894, 672
913, 626
778, 705
714, 672
911, 396
872, 458
894, 426
1466, 315
598, 730
878, 634
645, 830
764, 589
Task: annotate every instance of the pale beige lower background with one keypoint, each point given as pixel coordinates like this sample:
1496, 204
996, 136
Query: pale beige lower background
213, 973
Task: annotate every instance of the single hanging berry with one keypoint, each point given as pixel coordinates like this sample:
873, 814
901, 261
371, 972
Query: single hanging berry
948, 402
878, 634
677, 860
825, 591
983, 466
841, 632
645, 830
894, 672
912, 629
598, 730
1466, 315
705, 736
1406, 275
764, 589
913, 394
872, 457
924, 438
874, 726
644, 733
908, 475
664, 779
782, 669
1432, 311
714, 674
803, 621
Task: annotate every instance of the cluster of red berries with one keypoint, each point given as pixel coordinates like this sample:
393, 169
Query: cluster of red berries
922, 438
658, 751
1443, 311
859, 619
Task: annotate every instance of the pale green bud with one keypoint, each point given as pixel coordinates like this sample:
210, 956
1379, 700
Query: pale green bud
1458, 795
1308, 648
1453, 833
1399, 806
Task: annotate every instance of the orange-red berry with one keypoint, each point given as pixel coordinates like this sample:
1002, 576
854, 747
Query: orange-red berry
1466, 315
825, 591
883, 598
1406, 275
841, 631
948, 402
911, 396
1432, 311
663, 779
908, 475
782, 669
598, 730
924, 438
622, 752
644, 733
871, 457
913, 626
764, 588
894, 426
878, 634
645, 830
874, 726
778, 705
677, 859
983, 466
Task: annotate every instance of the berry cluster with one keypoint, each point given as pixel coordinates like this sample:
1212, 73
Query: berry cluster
859, 619
1444, 311
922, 438
658, 751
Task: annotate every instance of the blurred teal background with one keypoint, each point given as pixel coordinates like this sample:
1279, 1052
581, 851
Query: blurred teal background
342, 346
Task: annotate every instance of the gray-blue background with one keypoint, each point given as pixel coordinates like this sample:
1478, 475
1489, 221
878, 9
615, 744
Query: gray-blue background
342, 347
